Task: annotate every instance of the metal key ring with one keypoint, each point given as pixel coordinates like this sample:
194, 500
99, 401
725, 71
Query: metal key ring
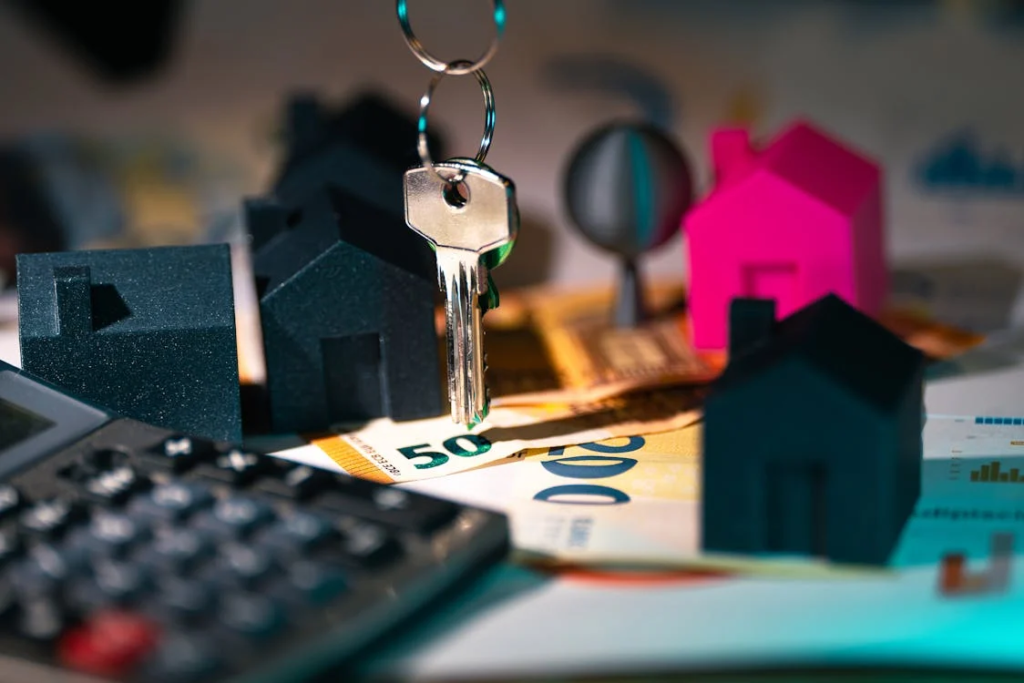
452, 68
489, 119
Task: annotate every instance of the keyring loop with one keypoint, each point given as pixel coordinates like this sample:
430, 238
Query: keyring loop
489, 119
452, 68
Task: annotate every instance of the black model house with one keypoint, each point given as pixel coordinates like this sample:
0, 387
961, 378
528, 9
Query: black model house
347, 298
365, 146
812, 441
146, 333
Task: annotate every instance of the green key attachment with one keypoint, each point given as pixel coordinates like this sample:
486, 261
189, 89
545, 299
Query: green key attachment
491, 299
495, 257
492, 260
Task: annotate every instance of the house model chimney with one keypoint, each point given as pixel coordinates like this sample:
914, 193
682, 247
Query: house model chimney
731, 152
751, 322
72, 287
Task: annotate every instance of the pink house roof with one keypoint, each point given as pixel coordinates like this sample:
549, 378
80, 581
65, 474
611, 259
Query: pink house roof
805, 157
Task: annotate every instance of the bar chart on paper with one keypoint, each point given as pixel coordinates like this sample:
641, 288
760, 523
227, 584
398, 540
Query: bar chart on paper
994, 472
970, 454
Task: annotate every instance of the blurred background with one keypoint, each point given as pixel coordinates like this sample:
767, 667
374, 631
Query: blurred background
147, 126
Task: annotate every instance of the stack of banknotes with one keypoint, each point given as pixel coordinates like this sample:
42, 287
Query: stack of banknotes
593, 442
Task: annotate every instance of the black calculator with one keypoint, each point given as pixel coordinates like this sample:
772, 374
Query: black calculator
132, 553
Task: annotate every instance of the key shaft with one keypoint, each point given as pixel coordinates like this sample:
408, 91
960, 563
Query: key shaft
467, 392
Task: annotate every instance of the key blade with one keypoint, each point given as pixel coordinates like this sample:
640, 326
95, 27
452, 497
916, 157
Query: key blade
489, 219
466, 393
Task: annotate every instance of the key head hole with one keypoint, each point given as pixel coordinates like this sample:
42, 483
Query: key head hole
456, 195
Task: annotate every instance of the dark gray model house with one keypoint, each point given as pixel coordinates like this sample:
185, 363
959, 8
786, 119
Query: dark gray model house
146, 333
364, 146
813, 436
347, 298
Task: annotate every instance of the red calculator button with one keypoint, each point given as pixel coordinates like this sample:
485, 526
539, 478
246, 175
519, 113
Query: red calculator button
109, 643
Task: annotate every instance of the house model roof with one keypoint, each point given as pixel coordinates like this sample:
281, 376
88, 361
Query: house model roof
809, 159
832, 337
163, 288
370, 131
334, 218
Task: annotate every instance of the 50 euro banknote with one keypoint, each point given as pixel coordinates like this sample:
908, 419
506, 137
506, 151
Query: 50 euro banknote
389, 452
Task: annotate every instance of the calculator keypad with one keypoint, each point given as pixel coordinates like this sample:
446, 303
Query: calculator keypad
184, 559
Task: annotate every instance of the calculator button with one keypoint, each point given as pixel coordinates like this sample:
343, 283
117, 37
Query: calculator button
309, 582
44, 569
8, 596
182, 659
112, 534
11, 545
183, 600
88, 465
299, 532
11, 501
239, 565
50, 518
234, 518
253, 616
172, 502
41, 617
85, 597
387, 505
236, 467
105, 458
176, 454
292, 480
113, 486
177, 551
366, 545
122, 581
109, 643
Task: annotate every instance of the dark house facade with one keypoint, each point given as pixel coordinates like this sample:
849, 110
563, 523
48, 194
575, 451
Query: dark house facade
147, 333
347, 298
813, 436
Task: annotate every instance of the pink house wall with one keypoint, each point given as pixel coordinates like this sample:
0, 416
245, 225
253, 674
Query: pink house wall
763, 220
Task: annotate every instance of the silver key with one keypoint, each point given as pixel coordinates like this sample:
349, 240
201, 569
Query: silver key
461, 233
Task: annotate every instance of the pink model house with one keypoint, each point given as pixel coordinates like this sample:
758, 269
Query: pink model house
792, 221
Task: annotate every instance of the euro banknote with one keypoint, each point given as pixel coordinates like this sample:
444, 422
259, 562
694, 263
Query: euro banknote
624, 502
933, 338
627, 497
555, 345
388, 452
548, 345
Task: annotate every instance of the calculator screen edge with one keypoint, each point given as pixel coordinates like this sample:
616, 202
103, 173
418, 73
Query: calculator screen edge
71, 419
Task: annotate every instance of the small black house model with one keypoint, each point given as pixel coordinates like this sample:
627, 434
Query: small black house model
813, 436
347, 298
365, 146
147, 333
